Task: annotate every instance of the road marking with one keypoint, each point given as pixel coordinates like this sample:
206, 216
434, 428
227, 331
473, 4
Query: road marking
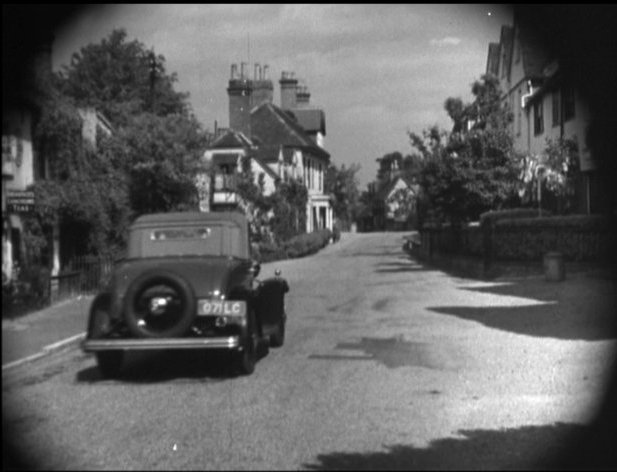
49, 349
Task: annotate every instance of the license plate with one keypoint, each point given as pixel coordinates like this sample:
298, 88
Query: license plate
221, 307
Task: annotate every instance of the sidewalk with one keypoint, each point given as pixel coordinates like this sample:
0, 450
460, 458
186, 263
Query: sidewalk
37, 334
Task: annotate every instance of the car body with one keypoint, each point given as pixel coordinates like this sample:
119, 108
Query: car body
188, 282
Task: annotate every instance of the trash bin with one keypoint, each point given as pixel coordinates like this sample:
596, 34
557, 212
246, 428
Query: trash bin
554, 268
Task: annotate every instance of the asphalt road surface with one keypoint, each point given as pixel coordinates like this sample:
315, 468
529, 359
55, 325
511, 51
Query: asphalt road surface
387, 365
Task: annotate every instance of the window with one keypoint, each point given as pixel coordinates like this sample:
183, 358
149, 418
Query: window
538, 118
556, 108
568, 103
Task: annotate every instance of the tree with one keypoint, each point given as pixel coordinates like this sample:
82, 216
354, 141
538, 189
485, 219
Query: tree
160, 155
148, 163
86, 189
341, 183
469, 171
121, 79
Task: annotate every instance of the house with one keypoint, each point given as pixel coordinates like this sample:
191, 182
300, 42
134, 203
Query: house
400, 198
544, 104
281, 143
392, 199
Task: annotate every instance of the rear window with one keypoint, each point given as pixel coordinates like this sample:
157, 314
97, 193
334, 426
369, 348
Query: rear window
197, 240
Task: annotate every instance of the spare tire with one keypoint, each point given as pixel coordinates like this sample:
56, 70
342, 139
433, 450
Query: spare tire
159, 304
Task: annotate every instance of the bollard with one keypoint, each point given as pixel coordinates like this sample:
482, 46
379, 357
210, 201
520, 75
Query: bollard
554, 267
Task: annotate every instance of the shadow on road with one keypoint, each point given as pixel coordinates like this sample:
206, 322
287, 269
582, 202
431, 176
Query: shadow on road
581, 309
390, 352
168, 366
529, 447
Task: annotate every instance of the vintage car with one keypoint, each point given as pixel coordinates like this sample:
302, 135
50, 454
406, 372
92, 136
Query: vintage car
188, 282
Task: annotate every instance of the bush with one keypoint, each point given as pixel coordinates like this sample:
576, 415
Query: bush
298, 246
576, 222
269, 252
336, 233
578, 237
495, 215
28, 291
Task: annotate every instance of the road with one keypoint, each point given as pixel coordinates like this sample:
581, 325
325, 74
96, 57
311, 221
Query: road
387, 364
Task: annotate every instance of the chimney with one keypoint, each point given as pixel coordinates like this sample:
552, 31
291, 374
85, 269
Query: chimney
240, 92
302, 97
288, 90
262, 88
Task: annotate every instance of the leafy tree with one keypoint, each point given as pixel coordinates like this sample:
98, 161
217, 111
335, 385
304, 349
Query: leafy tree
121, 79
86, 190
341, 183
160, 155
147, 165
469, 171
288, 205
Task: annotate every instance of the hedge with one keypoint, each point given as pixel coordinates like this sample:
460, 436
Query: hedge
512, 213
519, 238
298, 246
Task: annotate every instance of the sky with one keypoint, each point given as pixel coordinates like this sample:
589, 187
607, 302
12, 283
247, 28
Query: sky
377, 71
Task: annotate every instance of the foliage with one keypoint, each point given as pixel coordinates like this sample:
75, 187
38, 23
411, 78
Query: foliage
85, 187
468, 171
512, 213
122, 78
342, 185
307, 243
159, 155
288, 206
555, 170
145, 166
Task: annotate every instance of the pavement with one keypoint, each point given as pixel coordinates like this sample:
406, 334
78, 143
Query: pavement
62, 326
58, 327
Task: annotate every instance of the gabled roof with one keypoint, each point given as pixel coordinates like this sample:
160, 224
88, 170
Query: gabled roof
312, 120
492, 62
231, 139
269, 153
505, 42
265, 167
387, 189
272, 126
534, 53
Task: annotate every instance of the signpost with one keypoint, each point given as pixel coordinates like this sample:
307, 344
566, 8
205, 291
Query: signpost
20, 201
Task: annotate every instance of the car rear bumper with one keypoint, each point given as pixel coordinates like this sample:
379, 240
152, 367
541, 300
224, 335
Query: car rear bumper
223, 342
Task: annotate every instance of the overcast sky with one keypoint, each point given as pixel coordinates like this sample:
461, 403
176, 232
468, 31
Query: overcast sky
376, 70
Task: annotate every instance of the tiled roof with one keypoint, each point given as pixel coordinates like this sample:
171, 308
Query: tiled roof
534, 54
312, 120
272, 126
269, 153
231, 139
507, 38
492, 62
